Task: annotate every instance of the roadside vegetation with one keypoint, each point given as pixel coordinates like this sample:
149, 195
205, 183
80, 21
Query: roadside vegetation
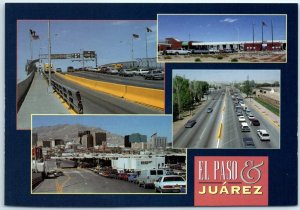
273, 109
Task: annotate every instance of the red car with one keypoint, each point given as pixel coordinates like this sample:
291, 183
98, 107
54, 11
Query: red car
123, 176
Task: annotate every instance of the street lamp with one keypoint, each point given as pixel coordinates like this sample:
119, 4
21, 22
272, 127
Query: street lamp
49, 59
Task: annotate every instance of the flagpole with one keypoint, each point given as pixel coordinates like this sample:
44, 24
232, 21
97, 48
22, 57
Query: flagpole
253, 36
132, 51
31, 47
262, 35
272, 32
147, 47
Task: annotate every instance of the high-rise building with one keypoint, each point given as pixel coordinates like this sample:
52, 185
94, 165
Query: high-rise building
47, 143
34, 139
87, 141
134, 138
98, 138
158, 142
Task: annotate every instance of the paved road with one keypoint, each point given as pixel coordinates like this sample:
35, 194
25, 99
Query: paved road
205, 132
134, 81
85, 181
100, 103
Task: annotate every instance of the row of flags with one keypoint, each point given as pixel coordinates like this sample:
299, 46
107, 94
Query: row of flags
136, 36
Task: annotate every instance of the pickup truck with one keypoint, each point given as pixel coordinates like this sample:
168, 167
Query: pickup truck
177, 52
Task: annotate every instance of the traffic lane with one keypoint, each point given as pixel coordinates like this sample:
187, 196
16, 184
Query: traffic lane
210, 137
253, 132
134, 81
198, 137
267, 125
232, 136
183, 137
95, 102
85, 181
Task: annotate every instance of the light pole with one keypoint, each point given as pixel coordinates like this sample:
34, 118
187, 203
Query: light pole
33, 36
49, 59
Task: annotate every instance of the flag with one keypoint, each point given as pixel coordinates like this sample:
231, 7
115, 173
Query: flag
33, 35
263, 23
149, 30
136, 36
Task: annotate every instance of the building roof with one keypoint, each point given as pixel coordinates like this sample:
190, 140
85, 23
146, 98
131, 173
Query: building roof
232, 42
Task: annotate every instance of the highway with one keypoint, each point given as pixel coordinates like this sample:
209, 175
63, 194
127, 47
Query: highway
95, 102
206, 132
134, 81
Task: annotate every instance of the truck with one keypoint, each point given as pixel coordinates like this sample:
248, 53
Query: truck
47, 67
42, 167
179, 51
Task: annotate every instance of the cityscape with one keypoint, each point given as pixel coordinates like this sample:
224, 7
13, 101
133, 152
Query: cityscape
63, 154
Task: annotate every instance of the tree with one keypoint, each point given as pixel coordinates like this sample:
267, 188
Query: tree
182, 98
247, 89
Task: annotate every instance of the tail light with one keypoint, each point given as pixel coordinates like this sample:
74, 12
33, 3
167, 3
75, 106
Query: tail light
168, 186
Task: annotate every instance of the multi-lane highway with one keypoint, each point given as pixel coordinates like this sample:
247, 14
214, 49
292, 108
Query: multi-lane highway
134, 81
101, 103
222, 129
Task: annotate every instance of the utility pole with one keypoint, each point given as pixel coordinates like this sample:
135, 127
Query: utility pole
146, 31
132, 51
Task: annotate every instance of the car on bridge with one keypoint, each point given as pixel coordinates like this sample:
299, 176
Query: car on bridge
190, 123
263, 135
112, 71
125, 73
154, 74
248, 143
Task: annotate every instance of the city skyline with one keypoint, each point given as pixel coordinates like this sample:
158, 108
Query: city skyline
229, 76
120, 125
111, 39
218, 28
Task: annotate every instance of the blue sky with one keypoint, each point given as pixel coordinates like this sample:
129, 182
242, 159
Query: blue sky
235, 75
111, 39
220, 27
121, 125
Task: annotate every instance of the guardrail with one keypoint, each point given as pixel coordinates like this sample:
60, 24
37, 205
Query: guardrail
23, 86
147, 96
71, 96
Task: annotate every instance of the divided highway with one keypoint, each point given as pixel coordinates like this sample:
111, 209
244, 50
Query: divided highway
207, 132
101, 103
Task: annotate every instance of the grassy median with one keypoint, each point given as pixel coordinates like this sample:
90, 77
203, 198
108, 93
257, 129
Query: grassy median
273, 109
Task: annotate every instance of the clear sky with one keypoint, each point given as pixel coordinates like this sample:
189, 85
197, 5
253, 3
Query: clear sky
228, 76
111, 39
121, 125
216, 28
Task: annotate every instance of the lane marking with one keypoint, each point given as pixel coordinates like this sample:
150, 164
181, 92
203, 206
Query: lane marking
64, 103
221, 123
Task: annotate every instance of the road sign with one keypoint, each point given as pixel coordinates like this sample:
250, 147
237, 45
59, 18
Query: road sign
89, 54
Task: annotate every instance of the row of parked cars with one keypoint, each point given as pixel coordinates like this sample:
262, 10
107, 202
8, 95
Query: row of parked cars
242, 109
162, 180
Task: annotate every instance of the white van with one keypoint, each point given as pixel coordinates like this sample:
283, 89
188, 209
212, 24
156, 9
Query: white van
245, 127
149, 176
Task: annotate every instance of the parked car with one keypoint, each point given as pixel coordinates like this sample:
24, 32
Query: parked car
245, 127
171, 183
190, 124
248, 143
148, 177
113, 174
123, 176
70, 69
154, 74
143, 71
135, 71
125, 73
132, 177
242, 119
103, 69
254, 122
263, 135
209, 110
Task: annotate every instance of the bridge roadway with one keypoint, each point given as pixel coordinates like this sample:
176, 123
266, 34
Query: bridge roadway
95, 102
38, 101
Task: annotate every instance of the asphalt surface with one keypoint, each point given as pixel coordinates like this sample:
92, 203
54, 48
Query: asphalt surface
205, 133
78, 180
95, 102
133, 81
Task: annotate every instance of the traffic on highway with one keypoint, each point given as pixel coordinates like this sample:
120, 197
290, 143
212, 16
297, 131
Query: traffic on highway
227, 119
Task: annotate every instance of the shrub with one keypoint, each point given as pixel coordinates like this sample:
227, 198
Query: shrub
220, 57
234, 60
167, 57
197, 60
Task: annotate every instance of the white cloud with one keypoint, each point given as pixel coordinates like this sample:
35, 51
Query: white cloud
229, 20
119, 22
